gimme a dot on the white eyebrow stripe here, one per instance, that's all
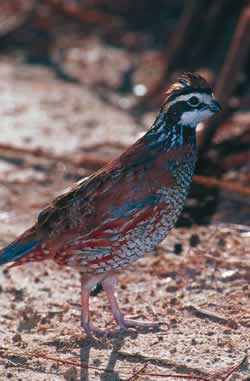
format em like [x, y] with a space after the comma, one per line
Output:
[204, 98]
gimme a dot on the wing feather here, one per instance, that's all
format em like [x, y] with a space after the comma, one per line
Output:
[127, 184]
[68, 211]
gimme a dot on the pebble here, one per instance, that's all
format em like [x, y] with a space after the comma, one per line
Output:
[17, 338]
[70, 374]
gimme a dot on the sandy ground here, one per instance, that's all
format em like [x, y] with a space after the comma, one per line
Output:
[196, 283]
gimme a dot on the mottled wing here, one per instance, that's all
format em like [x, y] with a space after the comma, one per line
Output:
[122, 194]
[72, 211]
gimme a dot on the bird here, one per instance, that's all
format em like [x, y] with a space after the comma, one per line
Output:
[110, 219]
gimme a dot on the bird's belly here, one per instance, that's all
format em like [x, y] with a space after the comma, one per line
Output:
[146, 236]
[111, 248]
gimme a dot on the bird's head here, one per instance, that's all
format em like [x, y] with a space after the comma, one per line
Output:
[189, 101]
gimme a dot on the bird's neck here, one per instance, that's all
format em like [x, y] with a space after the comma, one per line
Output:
[163, 141]
[170, 135]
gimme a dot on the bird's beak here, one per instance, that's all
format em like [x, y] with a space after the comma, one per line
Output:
[215, 106]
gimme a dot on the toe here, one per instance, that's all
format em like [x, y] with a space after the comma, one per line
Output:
[141, 324]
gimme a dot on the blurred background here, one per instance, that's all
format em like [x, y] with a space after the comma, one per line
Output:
[81, 80]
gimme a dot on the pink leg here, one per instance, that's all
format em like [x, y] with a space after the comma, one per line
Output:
[108, 286]
[85, 311]
[86, 286]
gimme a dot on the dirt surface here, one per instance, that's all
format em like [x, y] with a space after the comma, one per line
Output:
[196, 283]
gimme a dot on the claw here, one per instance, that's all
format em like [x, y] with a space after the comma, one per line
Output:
[91, 330]
[141, 324]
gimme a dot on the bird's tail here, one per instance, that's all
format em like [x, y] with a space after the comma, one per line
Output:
[19, 248]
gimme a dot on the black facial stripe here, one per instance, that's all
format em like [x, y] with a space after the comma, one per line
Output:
[186, 91]
[182, 106]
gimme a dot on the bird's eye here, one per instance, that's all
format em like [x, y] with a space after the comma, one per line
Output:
[193, 101]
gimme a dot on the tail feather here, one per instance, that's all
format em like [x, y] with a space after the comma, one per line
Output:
[18, 249]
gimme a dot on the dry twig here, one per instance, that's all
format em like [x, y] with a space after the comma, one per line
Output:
[228, 185]
[137, 374]
[88, 161]
[202, 313]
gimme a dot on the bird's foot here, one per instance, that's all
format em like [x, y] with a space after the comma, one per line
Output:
[125, 324]
[91, 330]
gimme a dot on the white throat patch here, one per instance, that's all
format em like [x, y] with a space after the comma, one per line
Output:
[193, 117]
